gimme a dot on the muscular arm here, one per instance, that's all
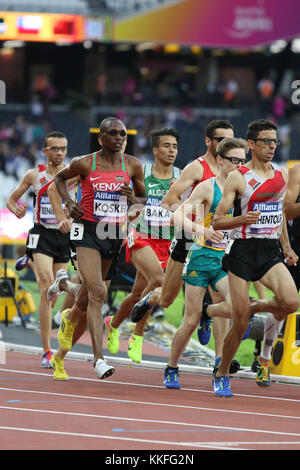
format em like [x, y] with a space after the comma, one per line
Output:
[234, 186]
[190, 175]
[79, 167]
[291, 207]
[63, 220]
[12, 201]
[197, 204]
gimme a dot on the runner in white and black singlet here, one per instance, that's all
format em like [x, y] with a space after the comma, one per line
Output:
[46, 245]
[261, 243]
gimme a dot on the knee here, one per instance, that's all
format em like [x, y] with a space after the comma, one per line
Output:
[166, 300]
[97, 293]
[290, 305]
[156, 281]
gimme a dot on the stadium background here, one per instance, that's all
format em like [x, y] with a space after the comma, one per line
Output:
[67, 64]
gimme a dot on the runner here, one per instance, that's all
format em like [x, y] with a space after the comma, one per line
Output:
[99, 227]
[199, 170]
[149, 242]
[203, 263]
[47, 246]
[257, 189]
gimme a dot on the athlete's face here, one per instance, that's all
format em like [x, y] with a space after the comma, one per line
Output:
[167, 149]
[114, 136]
[264, 146]
[56, 150]
[232, 159]
[218, 136]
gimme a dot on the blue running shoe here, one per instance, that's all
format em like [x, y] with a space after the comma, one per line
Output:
[204, 330]
[22, 263]
[247, 332]
[222, 387]
[171, 377]
[140, 309]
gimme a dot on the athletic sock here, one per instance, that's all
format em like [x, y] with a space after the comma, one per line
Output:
[271, 330]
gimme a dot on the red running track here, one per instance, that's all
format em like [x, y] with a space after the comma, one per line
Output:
[132, 410]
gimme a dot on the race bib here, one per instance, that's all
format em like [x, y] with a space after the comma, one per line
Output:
[270, 218]
[47, 215]
[110, 207]
[77, 231]
[33, 239]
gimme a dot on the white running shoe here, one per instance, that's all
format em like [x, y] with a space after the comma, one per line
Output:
[103, 370]
[53, 290]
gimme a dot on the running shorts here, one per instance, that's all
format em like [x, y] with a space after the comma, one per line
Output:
[160, 246]
[104, 238]
[49, 242]
[251, 259]
[202, 270]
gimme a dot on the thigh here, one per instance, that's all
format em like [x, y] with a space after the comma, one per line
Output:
[43, 266]
[279, 280]
[193, 301]
[146, 262]
[239, 293]
[222, 287]
[57, 266]
[172, 278]
[90, 265]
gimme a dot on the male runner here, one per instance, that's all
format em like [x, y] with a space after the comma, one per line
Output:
[199, 170]
[98, 230]
[149, 241]
[47, 246]
[257, 189]
[203, 263]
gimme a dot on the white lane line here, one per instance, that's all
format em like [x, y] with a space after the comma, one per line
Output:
[260, 397]
[176, 423]
[135, 402]
[115, 438]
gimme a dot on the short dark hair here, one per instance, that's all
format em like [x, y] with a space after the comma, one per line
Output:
[103, 124]
[255, 127]
[55, 134]
[217, 124]
[157, 133]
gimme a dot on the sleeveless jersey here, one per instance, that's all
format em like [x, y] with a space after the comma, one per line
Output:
[155, 220]
[265, 195]
[101, 199]
[208, 246]
[207, 173]
[43, 213]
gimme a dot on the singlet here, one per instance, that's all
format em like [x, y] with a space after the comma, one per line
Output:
[208, 247]
[265, 195]
[207, 173]
[101, 199]
[155, 220]
[43, 213]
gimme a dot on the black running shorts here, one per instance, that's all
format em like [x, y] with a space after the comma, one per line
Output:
[251, 259]
[50, 242]
[180, 246]
[105, 238]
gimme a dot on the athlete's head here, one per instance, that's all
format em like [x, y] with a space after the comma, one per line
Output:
[262, 139]
[112, 134]
[164, 144]
[231, 153]
[216, 131]
[55, 147]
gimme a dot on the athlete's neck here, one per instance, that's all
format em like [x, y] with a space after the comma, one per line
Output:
[108, 158]
[52, 170]
[162, 171]
[263, 168]
[211, 160]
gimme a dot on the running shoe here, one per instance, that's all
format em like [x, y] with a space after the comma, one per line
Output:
[59, 372]
[53, 290]
[263, 375]
[247, 332]
[112, 336]
[234, 366]
[140, 309]
[222, 387]
[46, 358]
[204, 330]
[103, 370]
[65, 331]
[22, 263]
[171, 377]
[135, 348]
